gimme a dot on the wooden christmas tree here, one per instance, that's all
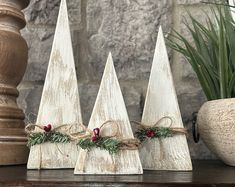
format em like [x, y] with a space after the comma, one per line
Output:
[161, 109]
[109, 106]
[60, 101]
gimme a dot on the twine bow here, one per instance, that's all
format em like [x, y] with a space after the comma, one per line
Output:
[30, 128]
[115, 132]
[125, 143]
[151, 134]
[174, 130]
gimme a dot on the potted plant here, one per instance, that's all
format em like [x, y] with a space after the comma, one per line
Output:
[212, 56]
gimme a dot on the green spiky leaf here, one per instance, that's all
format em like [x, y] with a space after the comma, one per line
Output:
[212, 50]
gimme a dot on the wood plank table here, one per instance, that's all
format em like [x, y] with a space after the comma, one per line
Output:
[206, 173]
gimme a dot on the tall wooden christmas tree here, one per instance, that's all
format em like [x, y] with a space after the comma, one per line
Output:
[109, 105]
[161, 104]
[60, 100]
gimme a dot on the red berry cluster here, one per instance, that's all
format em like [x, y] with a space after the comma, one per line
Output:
[96, 134]
[47, 128]
[150, 133]
[94, 138]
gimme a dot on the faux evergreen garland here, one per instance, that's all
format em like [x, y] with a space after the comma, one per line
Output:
[92, 139]
[156, 131]
[104, 143]
[42, 137]
[86, 139]
[153, 132]
[48, 135]
[108, 143]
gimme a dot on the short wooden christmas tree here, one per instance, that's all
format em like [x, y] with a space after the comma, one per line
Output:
[109, 119]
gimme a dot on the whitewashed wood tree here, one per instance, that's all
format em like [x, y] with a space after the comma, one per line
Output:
[170, 153]
[60, 100]
[109, 105]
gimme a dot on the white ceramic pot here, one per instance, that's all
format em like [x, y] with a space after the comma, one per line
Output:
[216, 125]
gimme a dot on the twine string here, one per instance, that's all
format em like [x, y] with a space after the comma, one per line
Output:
[115, 133]
[126, 143]
[174, 130]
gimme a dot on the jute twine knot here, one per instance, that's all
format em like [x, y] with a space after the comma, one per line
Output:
[126, 143]
[30, 129]
[174, 130]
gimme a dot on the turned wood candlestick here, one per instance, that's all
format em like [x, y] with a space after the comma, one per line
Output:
[13, 61]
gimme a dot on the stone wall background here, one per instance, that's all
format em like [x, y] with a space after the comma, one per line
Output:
[127, 28]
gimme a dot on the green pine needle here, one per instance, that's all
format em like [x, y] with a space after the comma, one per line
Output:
[104, 143]
[158, 132]
[42, 137]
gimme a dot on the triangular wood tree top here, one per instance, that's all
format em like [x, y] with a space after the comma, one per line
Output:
[161, 101]
[109, 105]
[60, 100]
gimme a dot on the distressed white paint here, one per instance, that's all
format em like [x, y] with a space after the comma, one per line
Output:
[161, 100]
[232, 3]
[109, 106]
[60, 100]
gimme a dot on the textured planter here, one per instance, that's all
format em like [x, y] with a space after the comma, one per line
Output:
[216, 123]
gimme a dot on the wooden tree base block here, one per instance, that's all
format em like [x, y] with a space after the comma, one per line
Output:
[60, 101]
[109, 106]
[13, 62]
[53, 156]
[169, 153]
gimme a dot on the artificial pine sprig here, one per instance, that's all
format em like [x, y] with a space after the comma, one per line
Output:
[104, 143]
[85, 141]
[153, 132]
[42, 137]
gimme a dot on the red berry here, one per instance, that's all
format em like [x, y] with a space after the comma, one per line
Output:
[94, 138]
[96, 131]
[47, 128]
[150, 133]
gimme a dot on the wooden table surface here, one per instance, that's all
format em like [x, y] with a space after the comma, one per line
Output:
[206, 173]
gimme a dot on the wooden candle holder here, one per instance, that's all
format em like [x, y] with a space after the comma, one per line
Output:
[13, 61]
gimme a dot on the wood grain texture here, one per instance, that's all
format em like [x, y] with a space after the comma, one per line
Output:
[13, 62]
[109, 105]
[170, 153]
[60, 100]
